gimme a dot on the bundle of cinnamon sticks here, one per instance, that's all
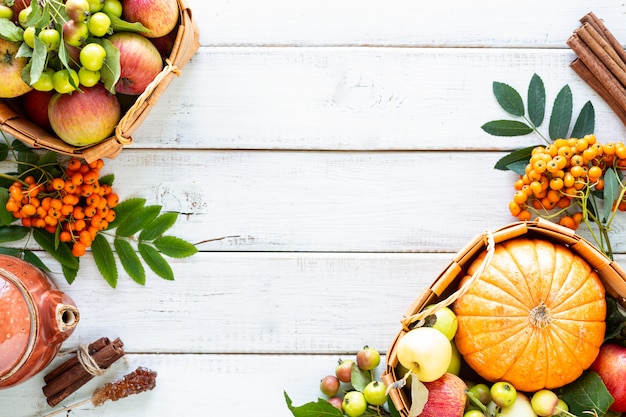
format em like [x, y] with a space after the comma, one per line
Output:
[72, 374]
[601, 62]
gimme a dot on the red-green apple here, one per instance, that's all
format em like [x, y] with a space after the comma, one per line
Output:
[160, 17]
[426, 352]
[610, 364]
[84, 118]
[36, 107]
[11, 67]
[140, 62]
[521, 407]
[165, 44]
[446, 397]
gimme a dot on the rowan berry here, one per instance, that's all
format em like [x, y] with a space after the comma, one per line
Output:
[556, 183]
[110, 216]
[594, 173]
[591, 138]
[599, 184]
[16, 192]
[58, 184]
[90, 177]
[28, 210]
[70, 187]
[78, 213]
[84, 237]
[581, 144]
[524, 215]
[77, 178]
[577, 171]
[78, 249]
[590, 154]
[74, 164]
[620, 150]
[564, 202]
[90, 211]
[29, 180]
[568, 222]
[12, 205]
[578, 217]
[514, 208]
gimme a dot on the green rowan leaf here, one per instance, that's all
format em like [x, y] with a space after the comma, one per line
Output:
[130, 261]
[70, 274]
[585, 123]
[32, 258]
[10, 31]
[158, 226]
[561, 116]
[11, 252]
[175, 247]
[37, 61]
[611, 191]
[517, 156]
[508, 98]
[536, 100]
[62, 253]
[157, 263]
[506, 128]
[13, 233]
[104, 259]
[140, 218]
[6, 218]
[4, 151]
[119, 25]
[125, 209]
[107, 179]
[111, 70]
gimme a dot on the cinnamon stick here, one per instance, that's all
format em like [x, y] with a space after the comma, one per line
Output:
[76, 376]
[92, 348]
[583, 72]
[604, 51]
[600, 27]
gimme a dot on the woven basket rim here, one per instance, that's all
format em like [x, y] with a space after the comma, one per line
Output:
[187, 42]
[610, 272]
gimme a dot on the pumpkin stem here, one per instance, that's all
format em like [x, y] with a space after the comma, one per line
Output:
[540, 316]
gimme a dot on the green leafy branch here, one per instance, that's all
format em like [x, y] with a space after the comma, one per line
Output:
[136, 237]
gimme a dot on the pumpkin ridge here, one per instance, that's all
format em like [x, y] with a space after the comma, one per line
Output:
[524, 274]
[568, 351]
[581, 296]
[564, 343]
[497, 294]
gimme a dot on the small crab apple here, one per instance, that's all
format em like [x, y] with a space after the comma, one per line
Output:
[544, 402]
[336, 402]
[375, 393]
[426, 352]
[445, 321]
[503, 393]
[329, 385]
[343, 371]
[354, 404]
[367, 358]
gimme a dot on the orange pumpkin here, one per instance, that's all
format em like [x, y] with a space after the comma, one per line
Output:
[535, 317]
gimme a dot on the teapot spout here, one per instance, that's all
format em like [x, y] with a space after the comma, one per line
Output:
[67, 317]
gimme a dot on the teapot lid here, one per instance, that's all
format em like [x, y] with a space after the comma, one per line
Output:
[16, 325]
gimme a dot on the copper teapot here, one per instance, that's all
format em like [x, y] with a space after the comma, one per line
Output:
[35, 318]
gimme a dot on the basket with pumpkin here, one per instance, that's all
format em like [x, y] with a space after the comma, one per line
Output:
[531, 304]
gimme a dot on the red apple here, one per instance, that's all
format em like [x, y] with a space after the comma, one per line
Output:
[11, 67]
[446, 397]
[85, 118]
[165, 44]
[36, 107]
[140, 62]
[18, 6]
[610, 364]
[160, 17]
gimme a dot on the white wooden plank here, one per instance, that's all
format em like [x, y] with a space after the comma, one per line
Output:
[355, 98]
[193, 385]
[399, 22]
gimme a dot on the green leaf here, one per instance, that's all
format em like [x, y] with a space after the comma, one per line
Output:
[119, 25]
[13, 233]
[38, 61]
[536, 100]
[125, 209]
[175, 247]
[104, 259]
[392, 408]
[321, 408]
[508, 98]
[70, 274]
[359, 378]
[585, 123]
[156, 261]
[561, 116]
[62, 253]
[11, 251]
[611, 191]
[111, 70]
[518, 155]
[506, 128]
[107, 179]
[158, 226]
[130, 261]
[615, 321]
[24, 51]
[4, 151]
[587, 393]
[10, 31]
[6, 218]
[32, 258]
[140, 218]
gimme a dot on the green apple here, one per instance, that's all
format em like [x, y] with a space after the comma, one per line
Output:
[445, 321]
[520, 408]
[544, 402]
[426, 352]
[375, 393]
[503, 393]
[455, 361]
[354, 404]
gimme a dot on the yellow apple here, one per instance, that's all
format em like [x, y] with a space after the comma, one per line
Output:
[11, 71]
[426, 352]
[521, 407]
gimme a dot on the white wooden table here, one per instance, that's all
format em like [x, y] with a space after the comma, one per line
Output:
[340, 142]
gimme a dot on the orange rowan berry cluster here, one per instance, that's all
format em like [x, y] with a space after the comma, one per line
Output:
[75, 204]
[560, 173]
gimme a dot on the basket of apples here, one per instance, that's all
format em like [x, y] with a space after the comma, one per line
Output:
[80, 76]
[525, 321]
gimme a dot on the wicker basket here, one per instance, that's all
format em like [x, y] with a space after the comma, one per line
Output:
[16, 124]
[445, 288]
